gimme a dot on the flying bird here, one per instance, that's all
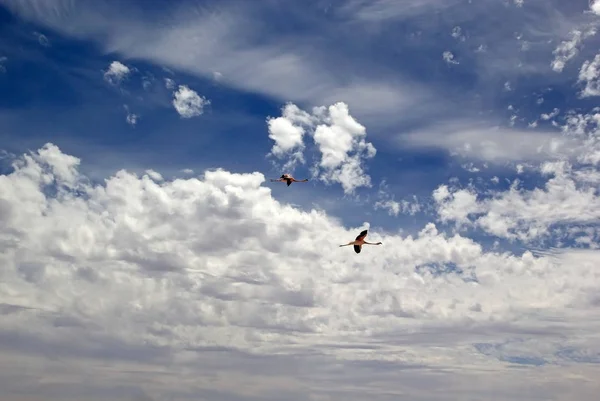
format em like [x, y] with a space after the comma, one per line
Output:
[360, 241]
[289, 179]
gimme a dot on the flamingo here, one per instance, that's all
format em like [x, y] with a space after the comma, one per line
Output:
[289, 179]
[360, 241]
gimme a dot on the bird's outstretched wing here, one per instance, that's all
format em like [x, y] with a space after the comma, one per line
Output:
[362, 235]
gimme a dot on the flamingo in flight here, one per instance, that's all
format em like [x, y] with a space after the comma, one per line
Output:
[360, 241]
[289, 179]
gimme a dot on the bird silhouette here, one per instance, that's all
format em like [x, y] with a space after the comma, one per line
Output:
[288, 179]
[360, 241]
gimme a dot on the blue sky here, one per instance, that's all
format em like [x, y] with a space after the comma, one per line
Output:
[463, 134]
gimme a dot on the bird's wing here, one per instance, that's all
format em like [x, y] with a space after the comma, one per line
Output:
[362, 235]
[357, 248]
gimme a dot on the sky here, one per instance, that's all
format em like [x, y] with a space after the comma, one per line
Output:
[145, 253]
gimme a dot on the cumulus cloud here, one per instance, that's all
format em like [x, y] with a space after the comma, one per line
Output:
[569, 49]
[551, 115]
[131, 118]
[568, 200]
[339, 138]
[595, 6]
[566, 208]
[215, 276]
[457, 33]
[288, 132]
[116, 72]
[589, 74]
[568, 203]
[586, 128]
[449, 57]
[188, 103]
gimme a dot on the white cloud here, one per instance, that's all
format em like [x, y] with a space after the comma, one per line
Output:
[563, 209]
[590, 75]
[288, 132]
[143, 271]
[490, 143]
[188, 103]
[116, 72]
[169, 83]
[519, 3]
[520, 168]
[586, 128]
[155, 175]
[595, 6]
[131, 118]
[147, 81]
[339, 138]
[457, 33]
[569, 49]
[449, 57]
[383, 10]
[394, 208]
[387, 202]
[201, 43]
[470, 167]
[341, 141]
[548, 116]
[455, 206]
[526, 215]
[42, 39]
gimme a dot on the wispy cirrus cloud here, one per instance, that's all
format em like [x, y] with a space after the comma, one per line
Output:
[202, 42]
[479, 140]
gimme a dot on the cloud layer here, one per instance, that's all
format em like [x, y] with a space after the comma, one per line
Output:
[161, 270]
[147, 286]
